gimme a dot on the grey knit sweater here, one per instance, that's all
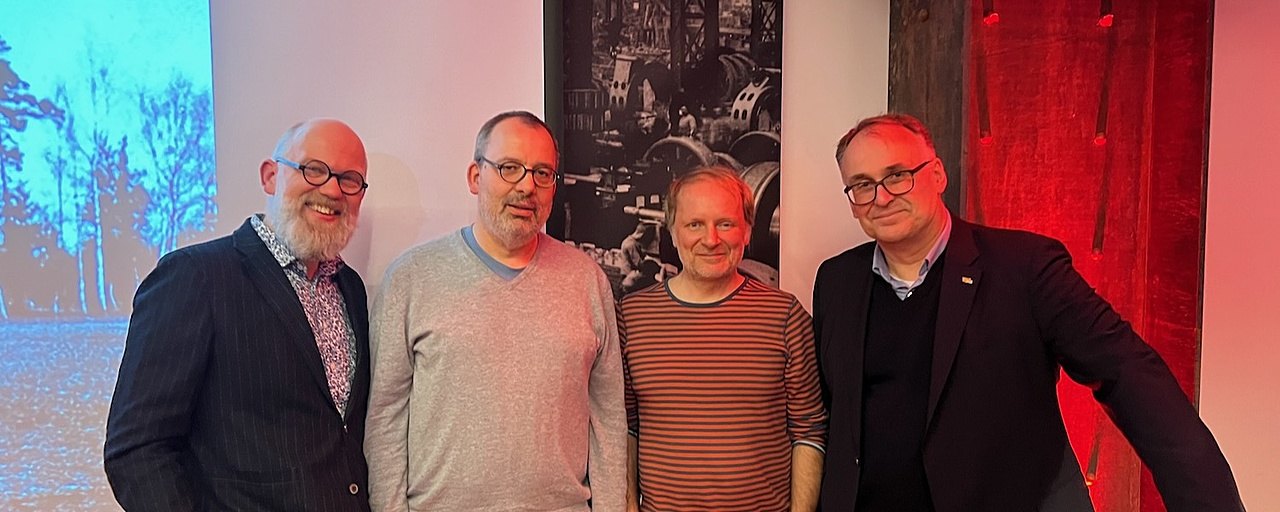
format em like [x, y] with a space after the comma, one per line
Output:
[490, 394]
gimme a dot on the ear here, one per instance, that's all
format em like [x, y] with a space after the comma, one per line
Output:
[940, 176]
[267, 172]
[473, 178]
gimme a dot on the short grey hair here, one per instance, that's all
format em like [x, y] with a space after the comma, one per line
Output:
[528, 118]
[907, 121]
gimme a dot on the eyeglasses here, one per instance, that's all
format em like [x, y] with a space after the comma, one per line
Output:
[863, 192]
[318, 173]
[513, 172]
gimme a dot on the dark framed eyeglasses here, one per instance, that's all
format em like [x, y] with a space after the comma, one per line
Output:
[318, 173]
[863, 191]
[513, 172]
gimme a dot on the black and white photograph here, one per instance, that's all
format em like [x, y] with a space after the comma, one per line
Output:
[653, 89]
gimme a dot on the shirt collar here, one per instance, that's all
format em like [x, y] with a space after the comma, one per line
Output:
[281, 252]
[880, 266]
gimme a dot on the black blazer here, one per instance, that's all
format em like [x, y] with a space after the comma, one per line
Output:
[1013, 311]
[222, 401]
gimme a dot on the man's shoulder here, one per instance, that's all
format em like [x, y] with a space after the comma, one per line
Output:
[857, 257]
[194, 269]
[647, 296]
[243, 240]
[217, 250]
[995, 241]
[756, 290]
[562, 257]
[435, 252]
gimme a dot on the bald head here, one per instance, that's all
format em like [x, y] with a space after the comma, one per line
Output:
[332, 134]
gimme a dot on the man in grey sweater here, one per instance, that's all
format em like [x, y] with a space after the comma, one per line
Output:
[496, 374]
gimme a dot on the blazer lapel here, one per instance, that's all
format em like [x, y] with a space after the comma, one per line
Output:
[960, 282]
[844, 326]
[858, 309]
[353, 294]
[265, 273]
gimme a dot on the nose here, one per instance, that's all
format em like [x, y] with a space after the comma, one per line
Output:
[883, 197]
[713, 237]
[525, 185]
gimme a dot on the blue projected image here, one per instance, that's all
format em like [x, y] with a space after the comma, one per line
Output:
[106, 163]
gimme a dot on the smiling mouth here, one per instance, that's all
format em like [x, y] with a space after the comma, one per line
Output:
[324, 210]
[887, 215]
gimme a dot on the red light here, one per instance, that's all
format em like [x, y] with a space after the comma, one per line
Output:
[986, 139]
[1100, 139]
[1106, 20]
[991, 18]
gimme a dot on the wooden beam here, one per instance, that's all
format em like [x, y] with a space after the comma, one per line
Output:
[927, 60]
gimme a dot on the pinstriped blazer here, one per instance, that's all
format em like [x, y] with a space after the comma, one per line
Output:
[222, 401]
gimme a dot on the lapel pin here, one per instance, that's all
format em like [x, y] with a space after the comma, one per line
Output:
[966, 280]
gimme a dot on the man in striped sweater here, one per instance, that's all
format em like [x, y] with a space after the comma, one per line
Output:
[723, 400]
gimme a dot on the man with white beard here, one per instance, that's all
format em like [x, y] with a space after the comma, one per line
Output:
[246, 366]
[497, 380]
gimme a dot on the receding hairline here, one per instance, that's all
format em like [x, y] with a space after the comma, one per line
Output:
[296, 134]
[290, 138]
[876, 124]
[719, 175]
[887, 130]
[525, 118]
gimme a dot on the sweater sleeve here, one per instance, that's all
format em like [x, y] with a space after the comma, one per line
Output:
[633, 414]
[607, 458]
[806, 416]
[391, 379]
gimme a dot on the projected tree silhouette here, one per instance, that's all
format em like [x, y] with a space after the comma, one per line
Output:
[17, 107]
[124, 175]
[63, 209]
[86, 164]
[177, 130]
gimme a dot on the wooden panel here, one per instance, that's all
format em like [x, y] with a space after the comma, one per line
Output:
[1094, 134]
[926, 75]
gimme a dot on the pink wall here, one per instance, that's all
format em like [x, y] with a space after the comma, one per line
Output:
[1241, 323]
[835, 55]
[415, 80]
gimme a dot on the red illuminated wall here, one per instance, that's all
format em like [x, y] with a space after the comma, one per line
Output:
[1096, 135]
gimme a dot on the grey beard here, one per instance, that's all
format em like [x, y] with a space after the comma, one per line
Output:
[512, 235]
[306, 241]
[510, 232]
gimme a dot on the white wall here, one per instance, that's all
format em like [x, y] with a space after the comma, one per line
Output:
[414, 78]
[835, 66]
[1240, 356]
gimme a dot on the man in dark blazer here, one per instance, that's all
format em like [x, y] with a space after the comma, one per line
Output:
[940, 344]
[245, 373]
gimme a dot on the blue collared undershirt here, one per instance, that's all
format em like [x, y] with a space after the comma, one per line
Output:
[503, 271]
[903, 289]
